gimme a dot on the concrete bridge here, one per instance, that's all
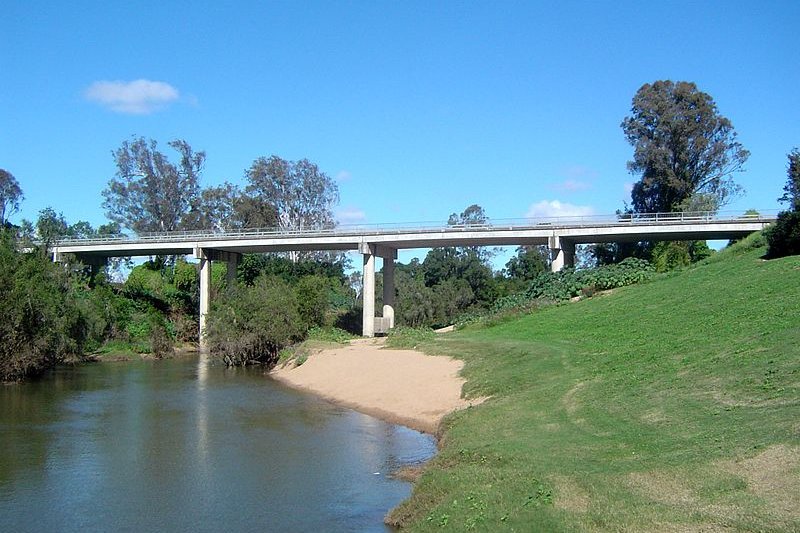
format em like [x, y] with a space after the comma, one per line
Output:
[560, 235]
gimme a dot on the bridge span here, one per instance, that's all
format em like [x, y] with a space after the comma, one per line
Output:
[560, 235]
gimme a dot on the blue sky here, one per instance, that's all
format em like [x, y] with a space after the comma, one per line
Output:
[418, 108]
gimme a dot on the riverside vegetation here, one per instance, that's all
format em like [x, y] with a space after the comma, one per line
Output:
[667, 406]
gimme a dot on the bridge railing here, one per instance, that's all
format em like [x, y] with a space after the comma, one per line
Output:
[620, 219]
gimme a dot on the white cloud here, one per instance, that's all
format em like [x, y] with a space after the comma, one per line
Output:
[572, 185]
[575, 172]
[343, 175]
[628, 187]
[576, 178]
[350, 215]
[554, 208]
[138, 97]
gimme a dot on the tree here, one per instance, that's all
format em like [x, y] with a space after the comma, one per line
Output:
[783, 237]
[253, 212]
[528, 263]
[791, 191]
[303, 196]
[150, 193]
[213, 209]
[50, 227]
[682, 147]
[10, 196]
[472, 216]
[249, 325]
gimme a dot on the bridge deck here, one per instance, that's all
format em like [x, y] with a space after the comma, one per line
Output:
[578, 230]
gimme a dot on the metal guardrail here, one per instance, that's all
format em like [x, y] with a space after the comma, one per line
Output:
[429, 227]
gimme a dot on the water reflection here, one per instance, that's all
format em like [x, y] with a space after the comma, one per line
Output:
[186, 445]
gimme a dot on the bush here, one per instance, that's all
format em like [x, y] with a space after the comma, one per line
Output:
[339, 336]
[783, 237]
[312, 300]
[249, 325]
[41, 322]
[549, 287]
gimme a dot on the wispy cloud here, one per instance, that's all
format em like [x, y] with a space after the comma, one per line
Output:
[576, 178]
[350, 215]
[138, 97]
[343, 175]
[576, 172]
[571, 185]
[555, 208]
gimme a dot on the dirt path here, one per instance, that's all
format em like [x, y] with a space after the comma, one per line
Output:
[399, 386]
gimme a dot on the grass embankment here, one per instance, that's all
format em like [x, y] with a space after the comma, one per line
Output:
[669, 406]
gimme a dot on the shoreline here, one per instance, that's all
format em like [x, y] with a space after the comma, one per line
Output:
[404, 387]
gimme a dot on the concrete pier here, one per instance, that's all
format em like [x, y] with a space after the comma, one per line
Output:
[562, 253]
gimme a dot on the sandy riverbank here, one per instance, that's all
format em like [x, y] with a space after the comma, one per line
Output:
[400, 386]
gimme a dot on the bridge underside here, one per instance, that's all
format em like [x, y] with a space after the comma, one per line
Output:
[561, 240]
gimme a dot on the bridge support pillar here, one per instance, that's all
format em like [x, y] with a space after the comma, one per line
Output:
[388, 291]
[233, 264]
[206, 256]
[205, 294]
[368, 290]
[562, 253]
[369, 320]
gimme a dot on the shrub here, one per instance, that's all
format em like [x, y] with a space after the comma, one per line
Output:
[40, 320]
[312, 300]
[783, 237]
[249, 325]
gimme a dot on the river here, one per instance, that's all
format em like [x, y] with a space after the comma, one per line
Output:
[182, 445]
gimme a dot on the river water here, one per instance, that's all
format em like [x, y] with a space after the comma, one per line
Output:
[181, 445]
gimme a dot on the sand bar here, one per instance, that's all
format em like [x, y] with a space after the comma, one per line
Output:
[400, 386]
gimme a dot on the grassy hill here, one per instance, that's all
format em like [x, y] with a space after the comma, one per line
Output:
[668, 406]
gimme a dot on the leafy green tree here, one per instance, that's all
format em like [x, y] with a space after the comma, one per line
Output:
[40, 320]
[10, 196]
[414, 304]
[253, 212]
[313, 300]
[783, 237]
[450, 299]
[149, 192]
[50, 227]
[529, 261]
[249, 325]
[791, 191]
[473, 216]
[683, 147]
[214, 208]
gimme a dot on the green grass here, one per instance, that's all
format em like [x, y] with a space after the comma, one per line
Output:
[121, 350]
[409, 338]
[674, 405]
[318, 339]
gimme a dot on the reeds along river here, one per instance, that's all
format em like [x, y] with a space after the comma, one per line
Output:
[181, 445]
